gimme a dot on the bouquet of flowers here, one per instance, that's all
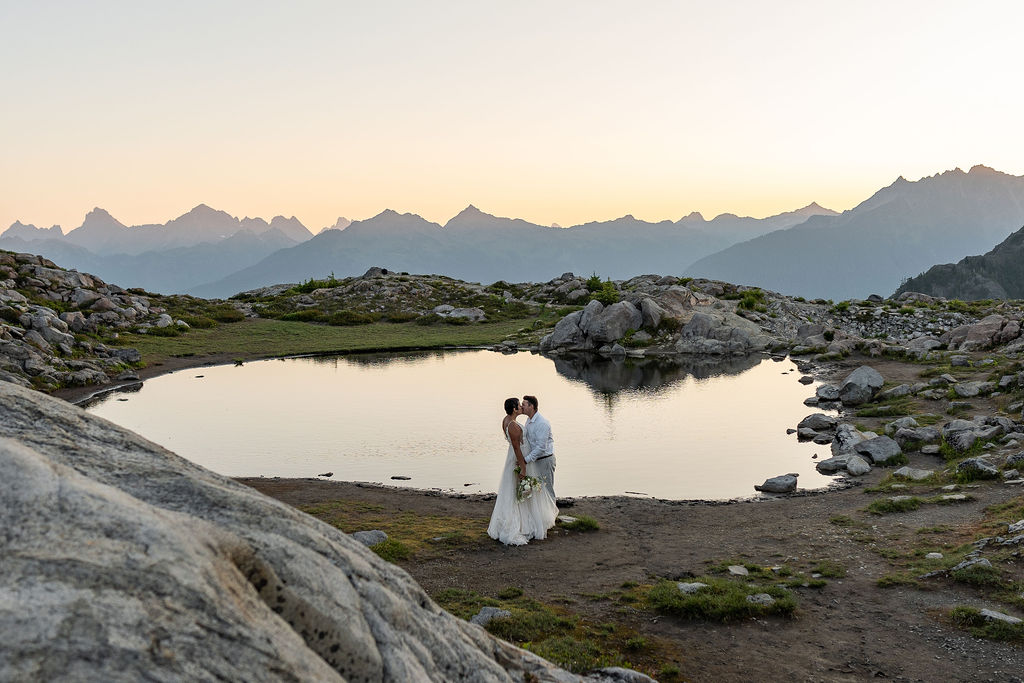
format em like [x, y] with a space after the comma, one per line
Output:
[527, 487]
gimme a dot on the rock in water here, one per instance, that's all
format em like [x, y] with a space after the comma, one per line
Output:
[781, 484]
[122, 561]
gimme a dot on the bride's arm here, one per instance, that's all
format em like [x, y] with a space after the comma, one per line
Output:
[515, 435]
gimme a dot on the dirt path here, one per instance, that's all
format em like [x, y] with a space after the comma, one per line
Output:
[849, 630]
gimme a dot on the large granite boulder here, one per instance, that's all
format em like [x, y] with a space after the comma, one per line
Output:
[611, 323]
[720, 332]
[122, 561]
[860, 386]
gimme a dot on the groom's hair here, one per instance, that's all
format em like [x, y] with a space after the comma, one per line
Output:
[510, 405]
[532, 400]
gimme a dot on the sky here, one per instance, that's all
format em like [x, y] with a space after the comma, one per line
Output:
[555, 112]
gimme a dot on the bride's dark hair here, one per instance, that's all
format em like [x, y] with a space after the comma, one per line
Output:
[510, 405]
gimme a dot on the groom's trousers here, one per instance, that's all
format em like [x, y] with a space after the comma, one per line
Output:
[546, 473]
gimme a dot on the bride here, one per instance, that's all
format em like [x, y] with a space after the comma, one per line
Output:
[515, 522]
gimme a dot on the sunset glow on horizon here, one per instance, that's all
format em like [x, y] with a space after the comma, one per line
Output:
[551, 112]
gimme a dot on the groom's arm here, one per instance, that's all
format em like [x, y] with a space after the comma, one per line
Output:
[539, 433]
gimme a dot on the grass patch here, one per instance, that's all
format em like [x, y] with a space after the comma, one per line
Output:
[971, 620]
[419, 535]
[392, 550]
[829, 569]
[887, 506]
[582, 523]
[898, 580]
[262, 338]
[565, 638]
[978, 575]
[723, 600]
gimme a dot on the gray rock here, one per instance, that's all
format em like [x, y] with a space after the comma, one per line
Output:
[971, 562]
[612, 323]
[567, 332]
[896, 392]
[691, 588]
[784, 483]
[991, 615]
[651, 313]
[806, 434]
[847, 437]
[924, 435]
[1015, 460]
[372, 537]
[470, 314]
[978, 468]
[933, 556]
[960, 361]
[163, 570]
[902, 423]
[833, 464]
[1016, 527]
[761, 599]
[164, 320]
[487, 614]
[819, 422]
[931, 449]
[860, 386]
[1011, 474]
[914, 474]
[738, 570]
[827, 392]
[879, 450]
[857, 466]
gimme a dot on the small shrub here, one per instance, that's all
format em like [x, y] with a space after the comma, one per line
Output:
[227, 314]
[582, 523]
[830, 569]
[311, 285]
[723, 600]
[309, 315]
[199, 321]
[169, 331]
[841, 307]
[346, 318]
[751, 299]
[10, 315]
[607, 295]
[887, 505]
[978, 575]
[391, 550]
[896, 581]
[511, 593]
[636, 644]
[970, 618]
[594, 283]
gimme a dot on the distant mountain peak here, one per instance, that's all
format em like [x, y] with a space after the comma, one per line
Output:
[101, 218]
[693, 216]
[981, 169]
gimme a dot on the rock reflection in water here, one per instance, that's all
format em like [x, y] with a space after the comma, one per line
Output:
[609, 377]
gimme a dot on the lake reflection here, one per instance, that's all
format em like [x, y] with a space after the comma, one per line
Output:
[672, 430]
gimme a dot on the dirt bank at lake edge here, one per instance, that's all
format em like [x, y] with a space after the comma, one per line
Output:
[849, 630]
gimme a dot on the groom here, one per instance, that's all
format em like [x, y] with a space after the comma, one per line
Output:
[542, 446]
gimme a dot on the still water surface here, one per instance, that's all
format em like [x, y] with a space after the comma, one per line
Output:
[688, 431]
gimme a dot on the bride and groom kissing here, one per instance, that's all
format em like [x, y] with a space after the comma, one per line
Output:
[525, 508]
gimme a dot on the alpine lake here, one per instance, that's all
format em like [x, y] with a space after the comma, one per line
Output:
[691, 429]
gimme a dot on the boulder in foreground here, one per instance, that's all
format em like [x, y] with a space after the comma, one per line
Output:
[122, 561]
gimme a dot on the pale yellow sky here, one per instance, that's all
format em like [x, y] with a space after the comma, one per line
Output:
[553, 112]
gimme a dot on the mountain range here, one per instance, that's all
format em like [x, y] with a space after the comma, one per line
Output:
[902, 229]
[210, 253]
[999, 274]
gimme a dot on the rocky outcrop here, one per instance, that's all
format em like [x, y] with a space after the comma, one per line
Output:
[122, 561]
[49, 319]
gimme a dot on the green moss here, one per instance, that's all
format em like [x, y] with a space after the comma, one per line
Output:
[392, 550]
[723, 600]
[582, 523]
[884, 506]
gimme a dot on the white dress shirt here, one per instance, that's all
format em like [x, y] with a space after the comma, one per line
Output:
[538, 433]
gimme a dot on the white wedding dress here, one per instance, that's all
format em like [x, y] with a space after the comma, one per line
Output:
[514, 522]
